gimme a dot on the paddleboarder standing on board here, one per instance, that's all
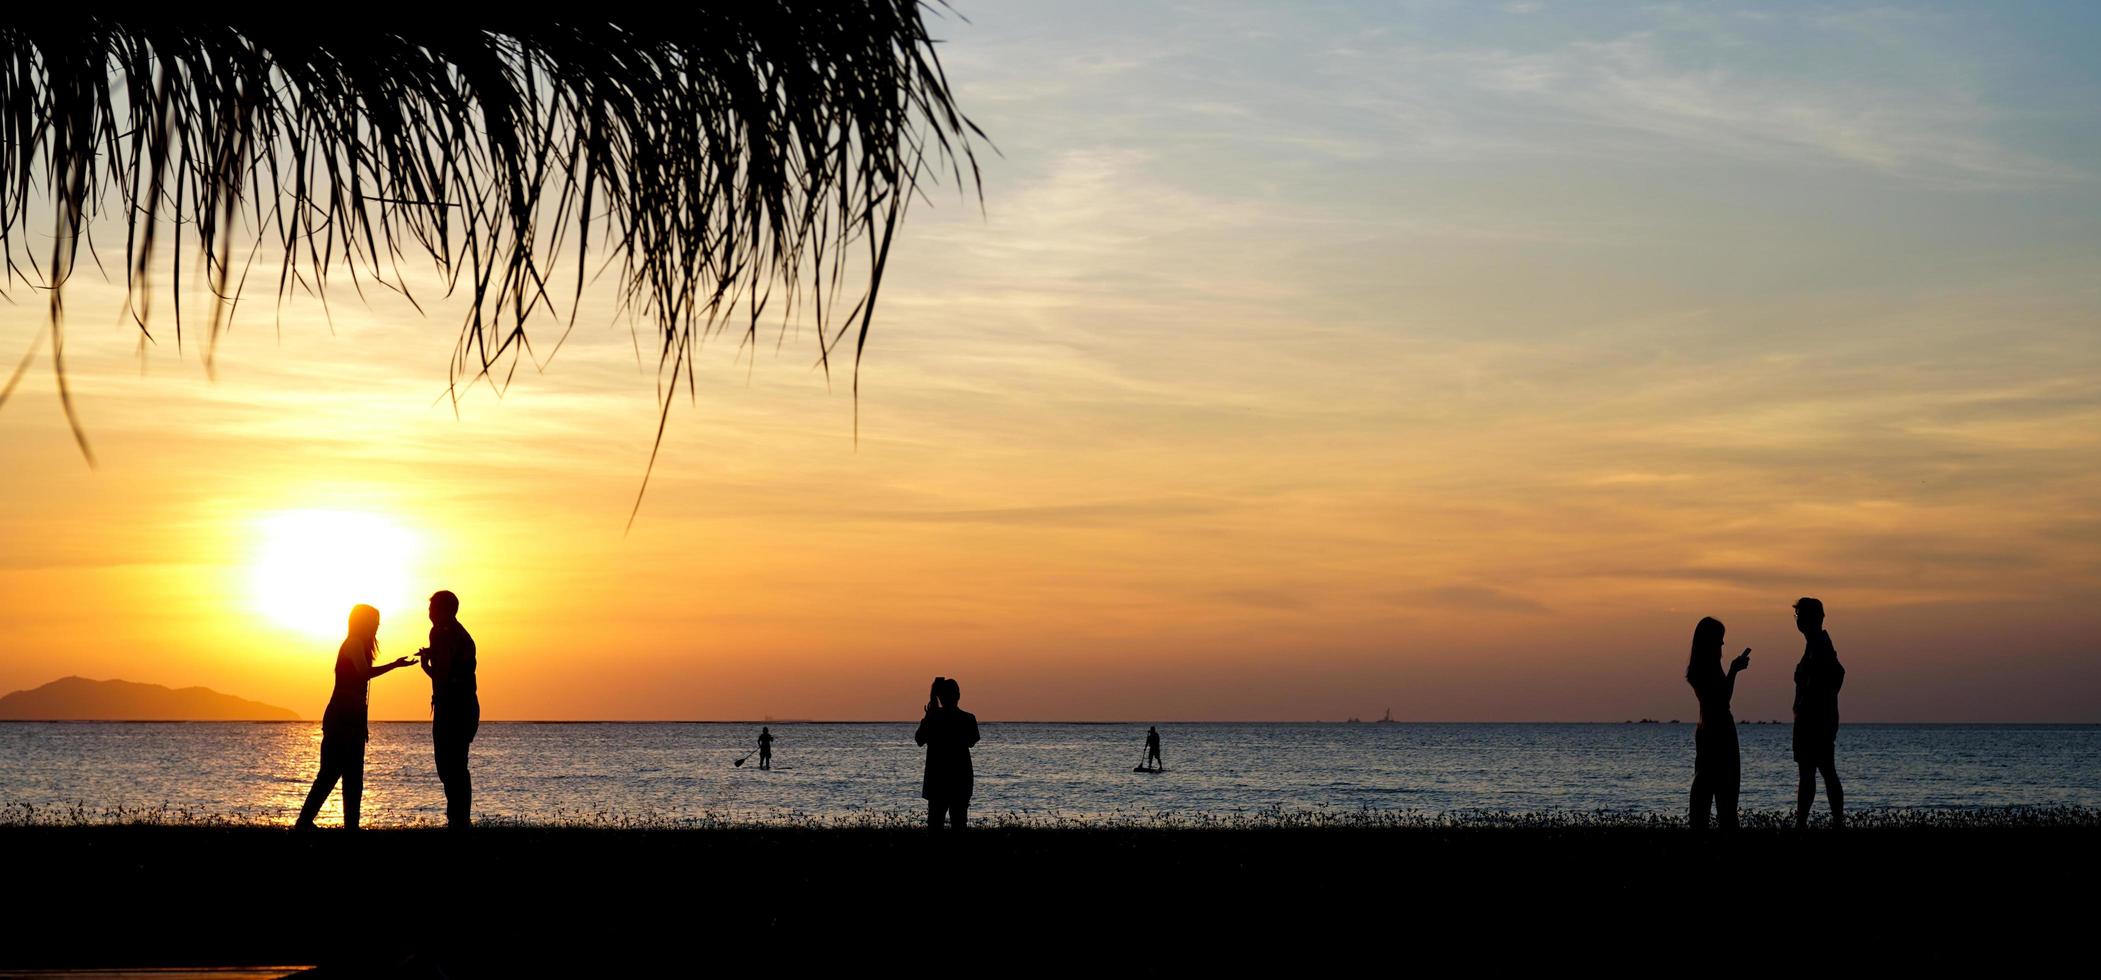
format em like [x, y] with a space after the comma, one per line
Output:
[1152, 748]
[765, 748]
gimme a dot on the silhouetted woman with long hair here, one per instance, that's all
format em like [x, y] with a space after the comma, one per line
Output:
[343, 724]
[1717, 768]
[948, 732]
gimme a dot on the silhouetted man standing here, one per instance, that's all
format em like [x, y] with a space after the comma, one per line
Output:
[765, 748]
[455, 709]
[1817, 679]
[1152, 748]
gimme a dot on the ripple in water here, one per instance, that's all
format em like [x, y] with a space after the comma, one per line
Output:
[682, 772]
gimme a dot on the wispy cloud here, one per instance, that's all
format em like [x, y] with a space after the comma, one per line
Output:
[1696, 85]
[1108, 513]
[1482, 597]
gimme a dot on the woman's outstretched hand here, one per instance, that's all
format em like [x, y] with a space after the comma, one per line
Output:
[401, 662]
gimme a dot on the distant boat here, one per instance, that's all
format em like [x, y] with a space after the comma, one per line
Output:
[1386, 719]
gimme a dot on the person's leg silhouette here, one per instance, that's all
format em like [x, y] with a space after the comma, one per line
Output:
[1805, 794]
[1727, 784]
[452, 732]
[1805, 789]
[1837, 795]
[353, 767]
[1702, 795]
[324, 783]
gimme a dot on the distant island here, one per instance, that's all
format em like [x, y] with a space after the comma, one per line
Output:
[81, 699]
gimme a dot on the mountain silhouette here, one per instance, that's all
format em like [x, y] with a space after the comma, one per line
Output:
[81, 699]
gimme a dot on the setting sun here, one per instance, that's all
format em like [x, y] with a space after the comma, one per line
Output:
[313, 565]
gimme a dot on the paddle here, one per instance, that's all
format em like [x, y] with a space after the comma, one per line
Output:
[740, 762]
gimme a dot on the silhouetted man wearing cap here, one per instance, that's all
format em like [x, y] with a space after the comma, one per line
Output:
[455, 709]
[1817, 679]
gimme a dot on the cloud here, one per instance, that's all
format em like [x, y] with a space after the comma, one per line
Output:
[1278, 600]
[1481, 597]
[1107, 513]
[1909, 110]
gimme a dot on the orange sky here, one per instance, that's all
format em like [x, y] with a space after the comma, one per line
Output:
[1233, 404]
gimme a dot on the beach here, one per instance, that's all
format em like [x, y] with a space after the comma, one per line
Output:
[1898, 891]
[620, 849]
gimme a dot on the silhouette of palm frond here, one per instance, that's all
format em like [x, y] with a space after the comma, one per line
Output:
[738, 160]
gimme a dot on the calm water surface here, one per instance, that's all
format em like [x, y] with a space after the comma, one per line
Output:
[588, 772]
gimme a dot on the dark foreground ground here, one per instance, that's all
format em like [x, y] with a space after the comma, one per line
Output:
[604, 902]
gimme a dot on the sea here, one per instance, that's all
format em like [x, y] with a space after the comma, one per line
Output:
[622, 774]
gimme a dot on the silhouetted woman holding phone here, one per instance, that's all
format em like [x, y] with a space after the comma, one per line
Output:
[343, 724]
[948, 732]
[1717, 768]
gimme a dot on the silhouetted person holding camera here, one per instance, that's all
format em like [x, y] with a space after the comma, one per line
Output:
[1717, 769]
[1152, 748]
[343, 728]
[1818, 677]
[455, 708]
[948, 732]
[765, 748]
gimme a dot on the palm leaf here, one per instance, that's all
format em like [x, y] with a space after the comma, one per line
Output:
[729, 164]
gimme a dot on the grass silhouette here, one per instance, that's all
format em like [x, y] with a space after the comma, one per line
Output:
[1975, 819]
[626, 894]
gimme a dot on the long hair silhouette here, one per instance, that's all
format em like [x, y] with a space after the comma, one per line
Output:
[363, 636]
[1706, 657]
